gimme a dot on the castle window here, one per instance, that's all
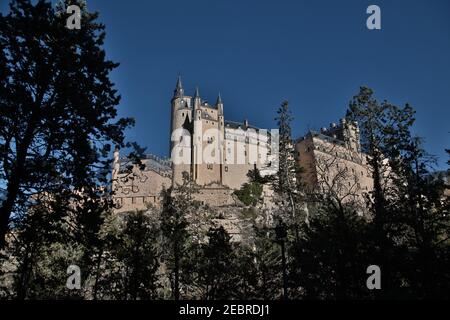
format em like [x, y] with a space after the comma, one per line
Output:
[209, 166]
[182, 114]
[133, 200]
[226, 168]
[362, 173]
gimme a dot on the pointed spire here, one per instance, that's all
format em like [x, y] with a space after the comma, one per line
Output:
[197, 94]
[178, 92]
[219, 100]
[219, 104]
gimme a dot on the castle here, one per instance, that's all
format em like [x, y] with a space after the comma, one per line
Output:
[208, 147]
[332, 161]
[217, 154]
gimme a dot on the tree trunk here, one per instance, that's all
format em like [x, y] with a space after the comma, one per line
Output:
[7, 207]
[14, 182]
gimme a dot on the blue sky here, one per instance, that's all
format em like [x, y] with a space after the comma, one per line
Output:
[316, 54]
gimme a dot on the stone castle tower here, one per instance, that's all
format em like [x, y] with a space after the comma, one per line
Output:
[346, 131]
[209, 148]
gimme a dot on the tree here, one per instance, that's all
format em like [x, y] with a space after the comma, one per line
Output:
[250, 193]
[410, 220]
[286, 183]
[57, 107]
[424, 214]
[41, 248]
[137, 253]
[216, 266]
[330, 260]
[178, 203]
[335, 183]
[258, 258]
[268, 269]
[384, 130]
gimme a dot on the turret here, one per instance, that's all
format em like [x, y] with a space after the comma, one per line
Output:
[197, 99]
[221, 136]
[180, 109]
[179, 91]
[353, 134]
[219, 105]
[180, 145]
[350, 134]
[197, 142]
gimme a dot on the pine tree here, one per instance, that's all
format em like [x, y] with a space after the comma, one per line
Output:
[424, 209]
[410, 225]
[383, 128]
[330, 260]
[137, 252]
[178, 203]
[43, 246]
[57, 106]
[286, 183]
[216, 272]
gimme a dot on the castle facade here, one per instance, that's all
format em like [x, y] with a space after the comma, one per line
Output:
[217, 154]
[211, 149]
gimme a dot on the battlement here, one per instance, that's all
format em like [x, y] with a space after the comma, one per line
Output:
[347, 132]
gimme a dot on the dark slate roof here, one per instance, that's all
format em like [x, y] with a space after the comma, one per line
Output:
[236, 125]
[155, 163]
[323, 137]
